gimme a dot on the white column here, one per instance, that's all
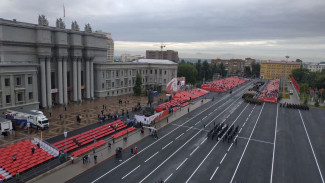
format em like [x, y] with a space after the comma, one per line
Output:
[60, 81]
[48, 82]
[3, 95]
[35, 88]
[43, 83]
[65, 81]
[87, 80]
[79, 80]
[91, 79]
[26, 97]
[75, 80]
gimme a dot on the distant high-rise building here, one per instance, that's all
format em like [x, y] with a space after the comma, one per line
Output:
[110, 45]
[232, 66]
[164, 55]
[130, 58]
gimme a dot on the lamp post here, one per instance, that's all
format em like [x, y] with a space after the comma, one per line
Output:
[65, 144]
[28, 125]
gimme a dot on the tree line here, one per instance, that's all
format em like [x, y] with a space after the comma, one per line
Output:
[307, 79]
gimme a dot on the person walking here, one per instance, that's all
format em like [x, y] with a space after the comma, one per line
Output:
[132, 151]
[88, 158]
[136, 150]
[109, 145]
[95, 158]
[33, 150]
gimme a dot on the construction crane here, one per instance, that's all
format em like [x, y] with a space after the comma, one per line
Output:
[162, 46]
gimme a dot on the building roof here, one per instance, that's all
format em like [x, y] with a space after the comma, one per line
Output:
[281, 62]
[154, 61]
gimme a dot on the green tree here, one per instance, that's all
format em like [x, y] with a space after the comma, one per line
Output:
[222, 70]
[198, 67]
[207, 74]
[188, 71]
[298, 60]
[137, 86]
[248, 71]
[214, 69]
[256, 69]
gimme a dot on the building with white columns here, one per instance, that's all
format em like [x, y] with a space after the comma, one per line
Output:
[59, 60]
[41, 66]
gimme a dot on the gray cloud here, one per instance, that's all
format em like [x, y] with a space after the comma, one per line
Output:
[190, 21]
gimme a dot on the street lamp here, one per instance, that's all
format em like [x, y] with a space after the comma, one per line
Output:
[65, 144]
[28, 126]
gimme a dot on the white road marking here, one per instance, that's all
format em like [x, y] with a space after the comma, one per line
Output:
[235, 138]
[247, 118]
[276, 126]
[230, 146]
[214, 173]
[194, 150]
[189, 128]
[240, 130]
[131, 172]
[204, 118]
[151, 157]
[169, 157]
[181, 164]
[203, 141]
[100, 177]
[210, 113]
[179, 136]
[256, 140]
[223, 158]
[244, 124]
[168, 177]
[213, 148]
[167, 145]
[198, 122]
[246, 145]
[311, 146]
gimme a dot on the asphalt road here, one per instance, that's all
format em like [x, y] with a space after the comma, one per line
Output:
[184, 154]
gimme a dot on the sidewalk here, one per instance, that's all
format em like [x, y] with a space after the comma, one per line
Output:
[64, 173]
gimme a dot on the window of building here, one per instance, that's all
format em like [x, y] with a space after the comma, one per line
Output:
[18, 81]
[30, 80]
[117, 92]
[160, 71]
[8, 99]
[121, 83]
[82, 78]
[129, 82]
[103, 75]
[112, 92]
[165, 72]
[116, 73]
[30, 95]
[129, 89]
[156, 71]
[19, 97]
[112, 84]
[68, 78]
[7, 81]
[121, 73]
[107, 93]
[146, 71]
[151, 71]
[165, 81]
[103, 85]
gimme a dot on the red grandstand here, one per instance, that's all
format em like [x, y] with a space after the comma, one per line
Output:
[270, 92]
[223, 85]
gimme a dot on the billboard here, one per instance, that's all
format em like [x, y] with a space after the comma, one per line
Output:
[175, 85]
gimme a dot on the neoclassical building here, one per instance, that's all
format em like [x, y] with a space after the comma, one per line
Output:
[41, 65]
[59, 61]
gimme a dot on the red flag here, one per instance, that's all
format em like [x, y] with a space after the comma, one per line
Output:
[321, 91]
[63, 11]
[309, 90]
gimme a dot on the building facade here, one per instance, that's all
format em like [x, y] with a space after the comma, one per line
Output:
[130, 58]
[164, 55]
[41, 66]
[314, 67]
[113, 79]
[232, 66]
[60, 61]
[277, 69]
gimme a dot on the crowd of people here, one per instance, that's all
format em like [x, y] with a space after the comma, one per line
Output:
[223, 84]
[271, 90]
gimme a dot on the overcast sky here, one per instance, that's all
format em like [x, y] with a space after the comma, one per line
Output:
[262, 29]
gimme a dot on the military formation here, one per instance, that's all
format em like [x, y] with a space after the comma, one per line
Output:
[294, 106]
[223, 132]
